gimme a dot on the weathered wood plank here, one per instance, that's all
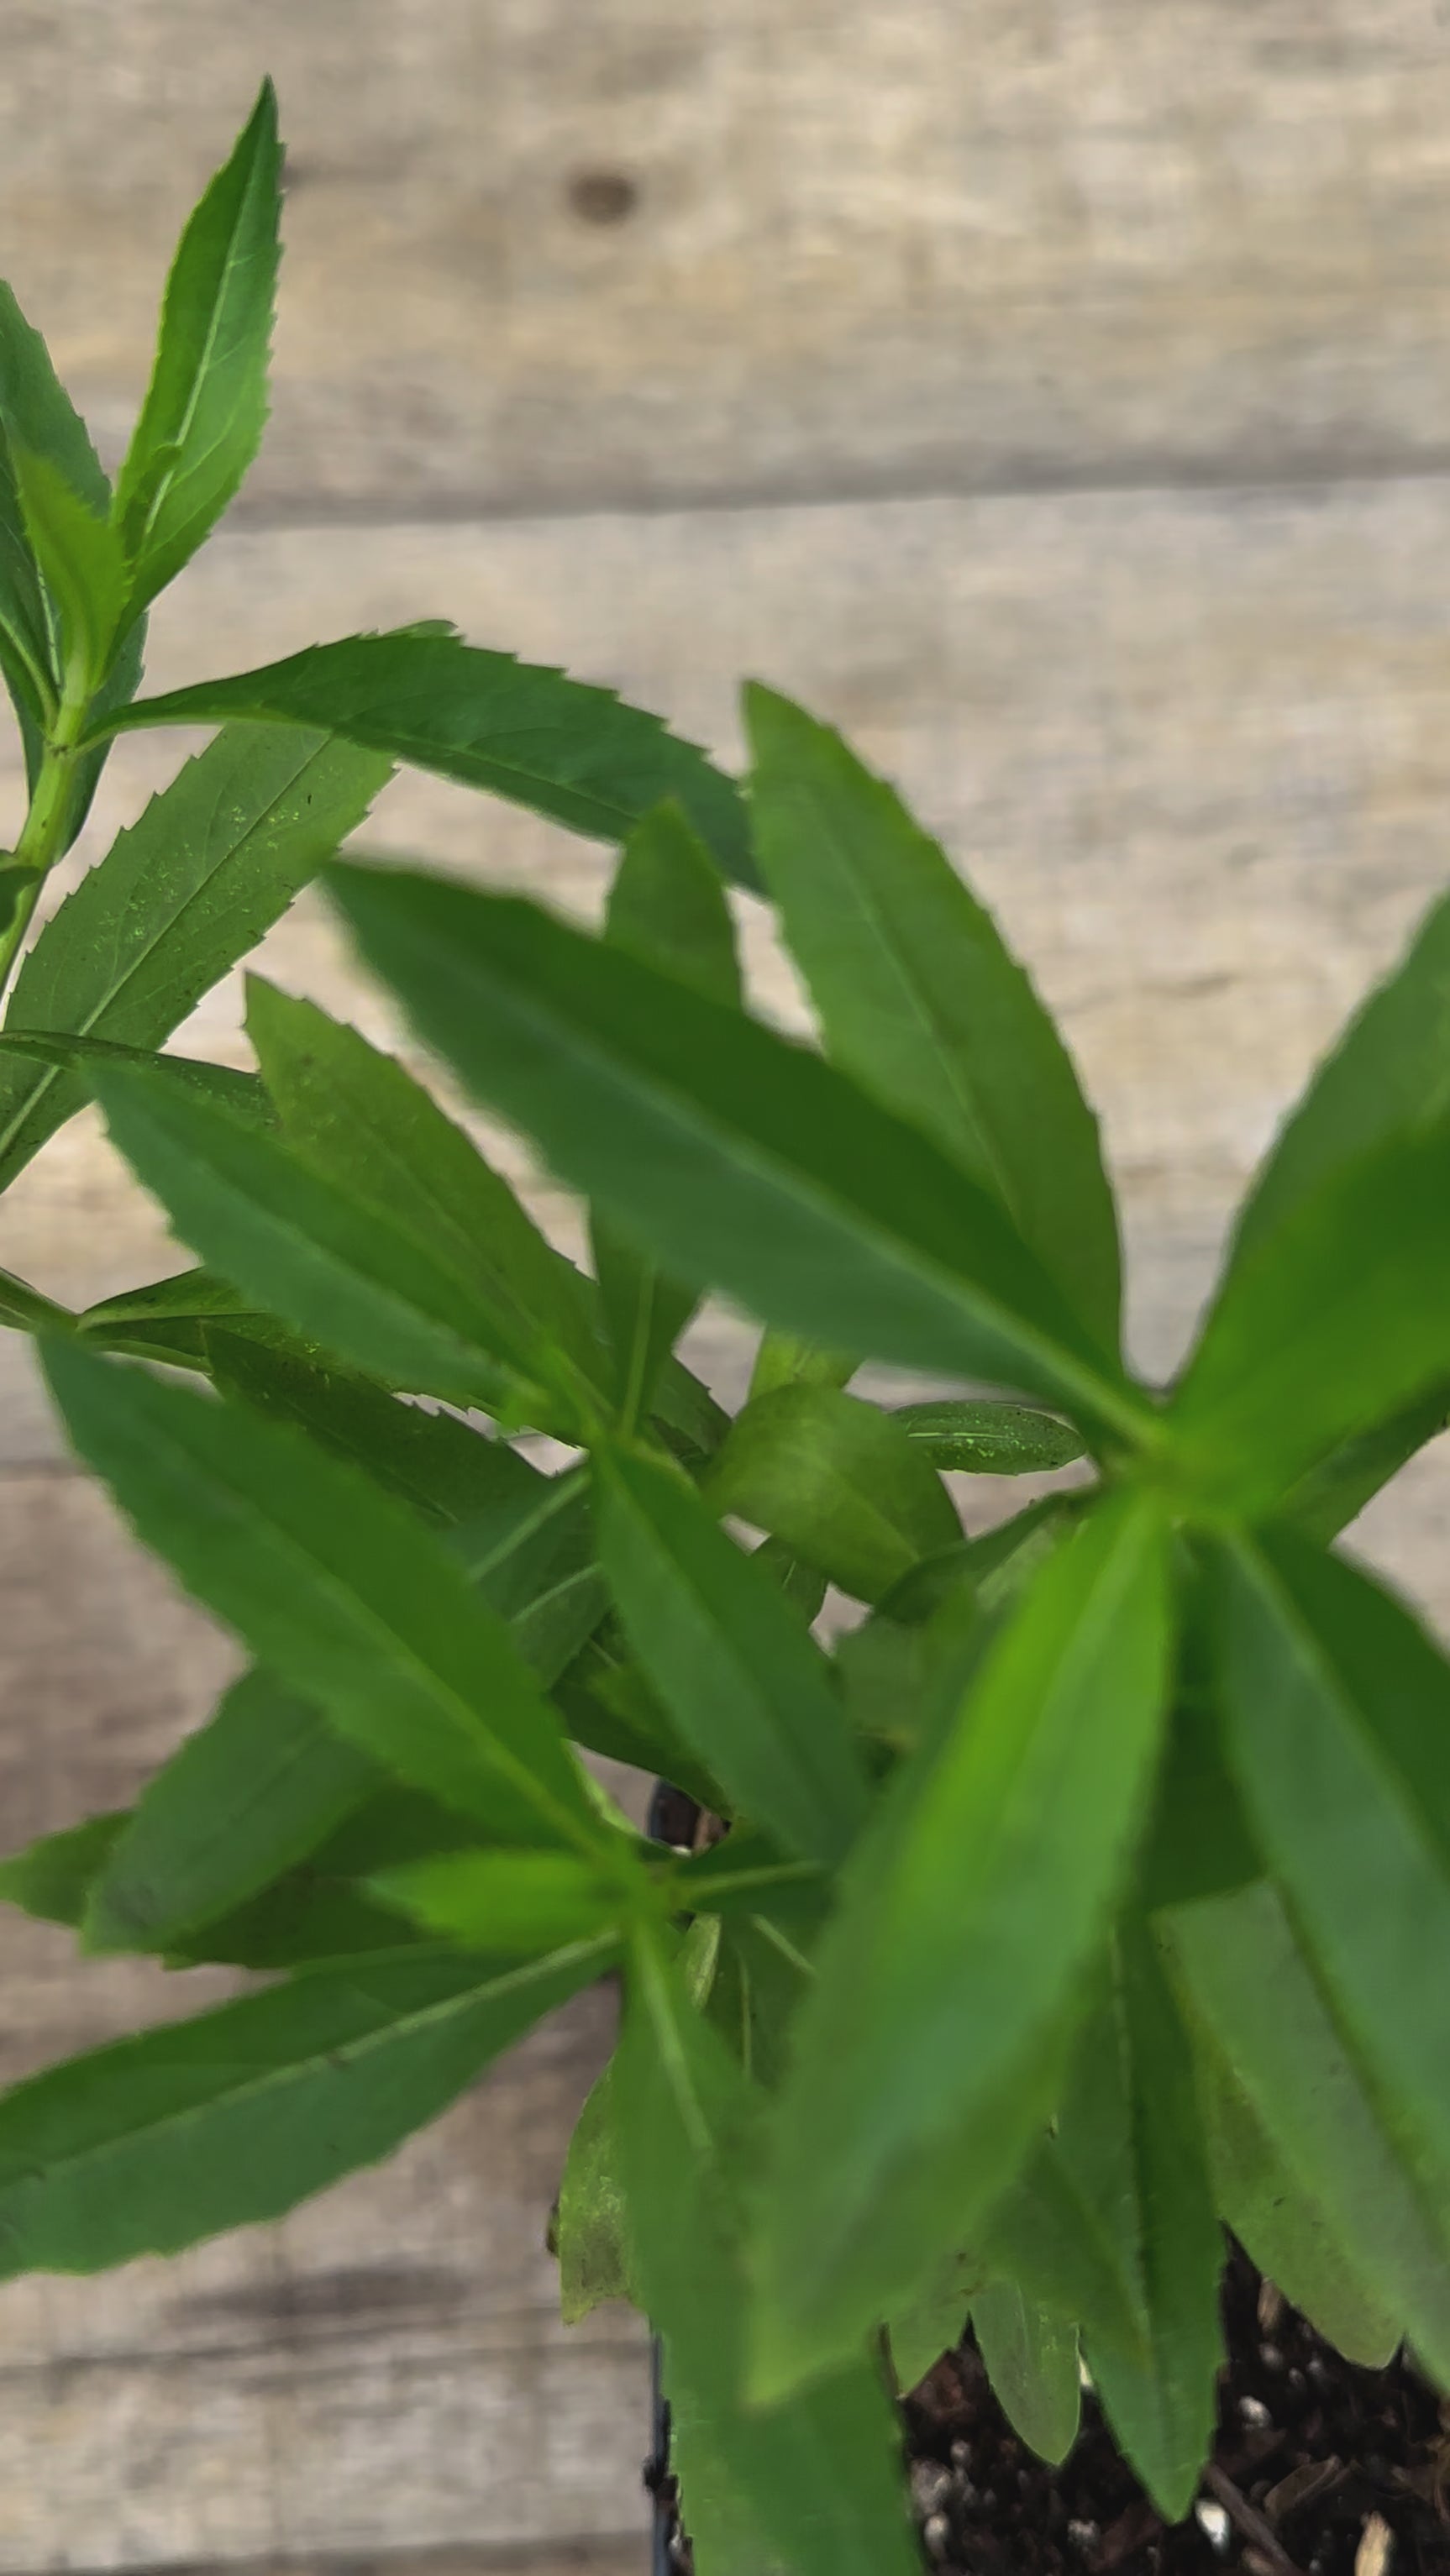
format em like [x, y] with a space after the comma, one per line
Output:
[1191, 746]
[1060, 240]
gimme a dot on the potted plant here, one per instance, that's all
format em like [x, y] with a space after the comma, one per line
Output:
[1088, 1897]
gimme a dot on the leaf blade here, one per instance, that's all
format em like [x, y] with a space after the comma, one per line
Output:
[928, 2051]
[566, 749]
[817, 2476]
[215, 859]
[1032, 2363]
[246, 1796]
[1336, 1323]
[921, 1001]
[1130, 2138]
[447, 1471]
[837, 1481]
[359, 1116]
[337, 1589]
[325, 1257]
[1385, 1076]
[1284, 2231]
[152, 2143]
[1337, 1707]
[1245, 1975]
[80, 561]
[202, 420]
[744, 1162]
[742, 1680]
[666, 905]
[984, 1439]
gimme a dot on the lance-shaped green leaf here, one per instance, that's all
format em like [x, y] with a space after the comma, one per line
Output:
[608, 1707]
[1285, 2232]
[934, 2321]
[921, 1001]
[838, 1481]
[358, 1116]
[321, 1909]
[170, 1320]
[38, 417]
[741, 1679]
[1337, 1718]
[1032, 2362]
[24, 645]
[212, 863]
[315, 1910]
[510, 1903]
[1198, 1841]
[816, 2478]
[930, 2048]
[1045, 2238]
[52, 1878]
[260, 1785]
[242, 1093]
[780, 1360]
[1388, 1075]
[116, 690]
[804, 1586]
[984, 1439]
[745, 1874]
[25, 1310]
[337, 1588]
[83, 567]
[1335, 1323]
[523, 1539]
[37, 413]
[907, 1669]
[245, 1797]
[743, 1161]
[546, 1583]
[588, 2231]
[301, 1921]
[686, 1415]
[201, 423]
[516, 729]
[1130, 2139]
[1246, 1978]
[666, 905]
[26, 658]
[432, 1460]
[762, 1970]
[334, 1261]
[155, 2142]
[1335, 1492]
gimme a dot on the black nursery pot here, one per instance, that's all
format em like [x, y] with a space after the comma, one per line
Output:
[665, 2520]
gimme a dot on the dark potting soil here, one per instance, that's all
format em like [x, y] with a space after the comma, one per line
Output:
[1320, 2469]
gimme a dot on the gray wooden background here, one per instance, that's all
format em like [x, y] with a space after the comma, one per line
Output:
[1054, 392]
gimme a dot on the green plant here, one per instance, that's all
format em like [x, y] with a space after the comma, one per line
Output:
[1093, 1891]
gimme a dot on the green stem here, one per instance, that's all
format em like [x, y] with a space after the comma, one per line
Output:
[42, 839]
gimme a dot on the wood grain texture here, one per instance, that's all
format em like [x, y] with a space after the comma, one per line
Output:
[1194, 751]
[1190, 746]
[647, 304]
[869, 248]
